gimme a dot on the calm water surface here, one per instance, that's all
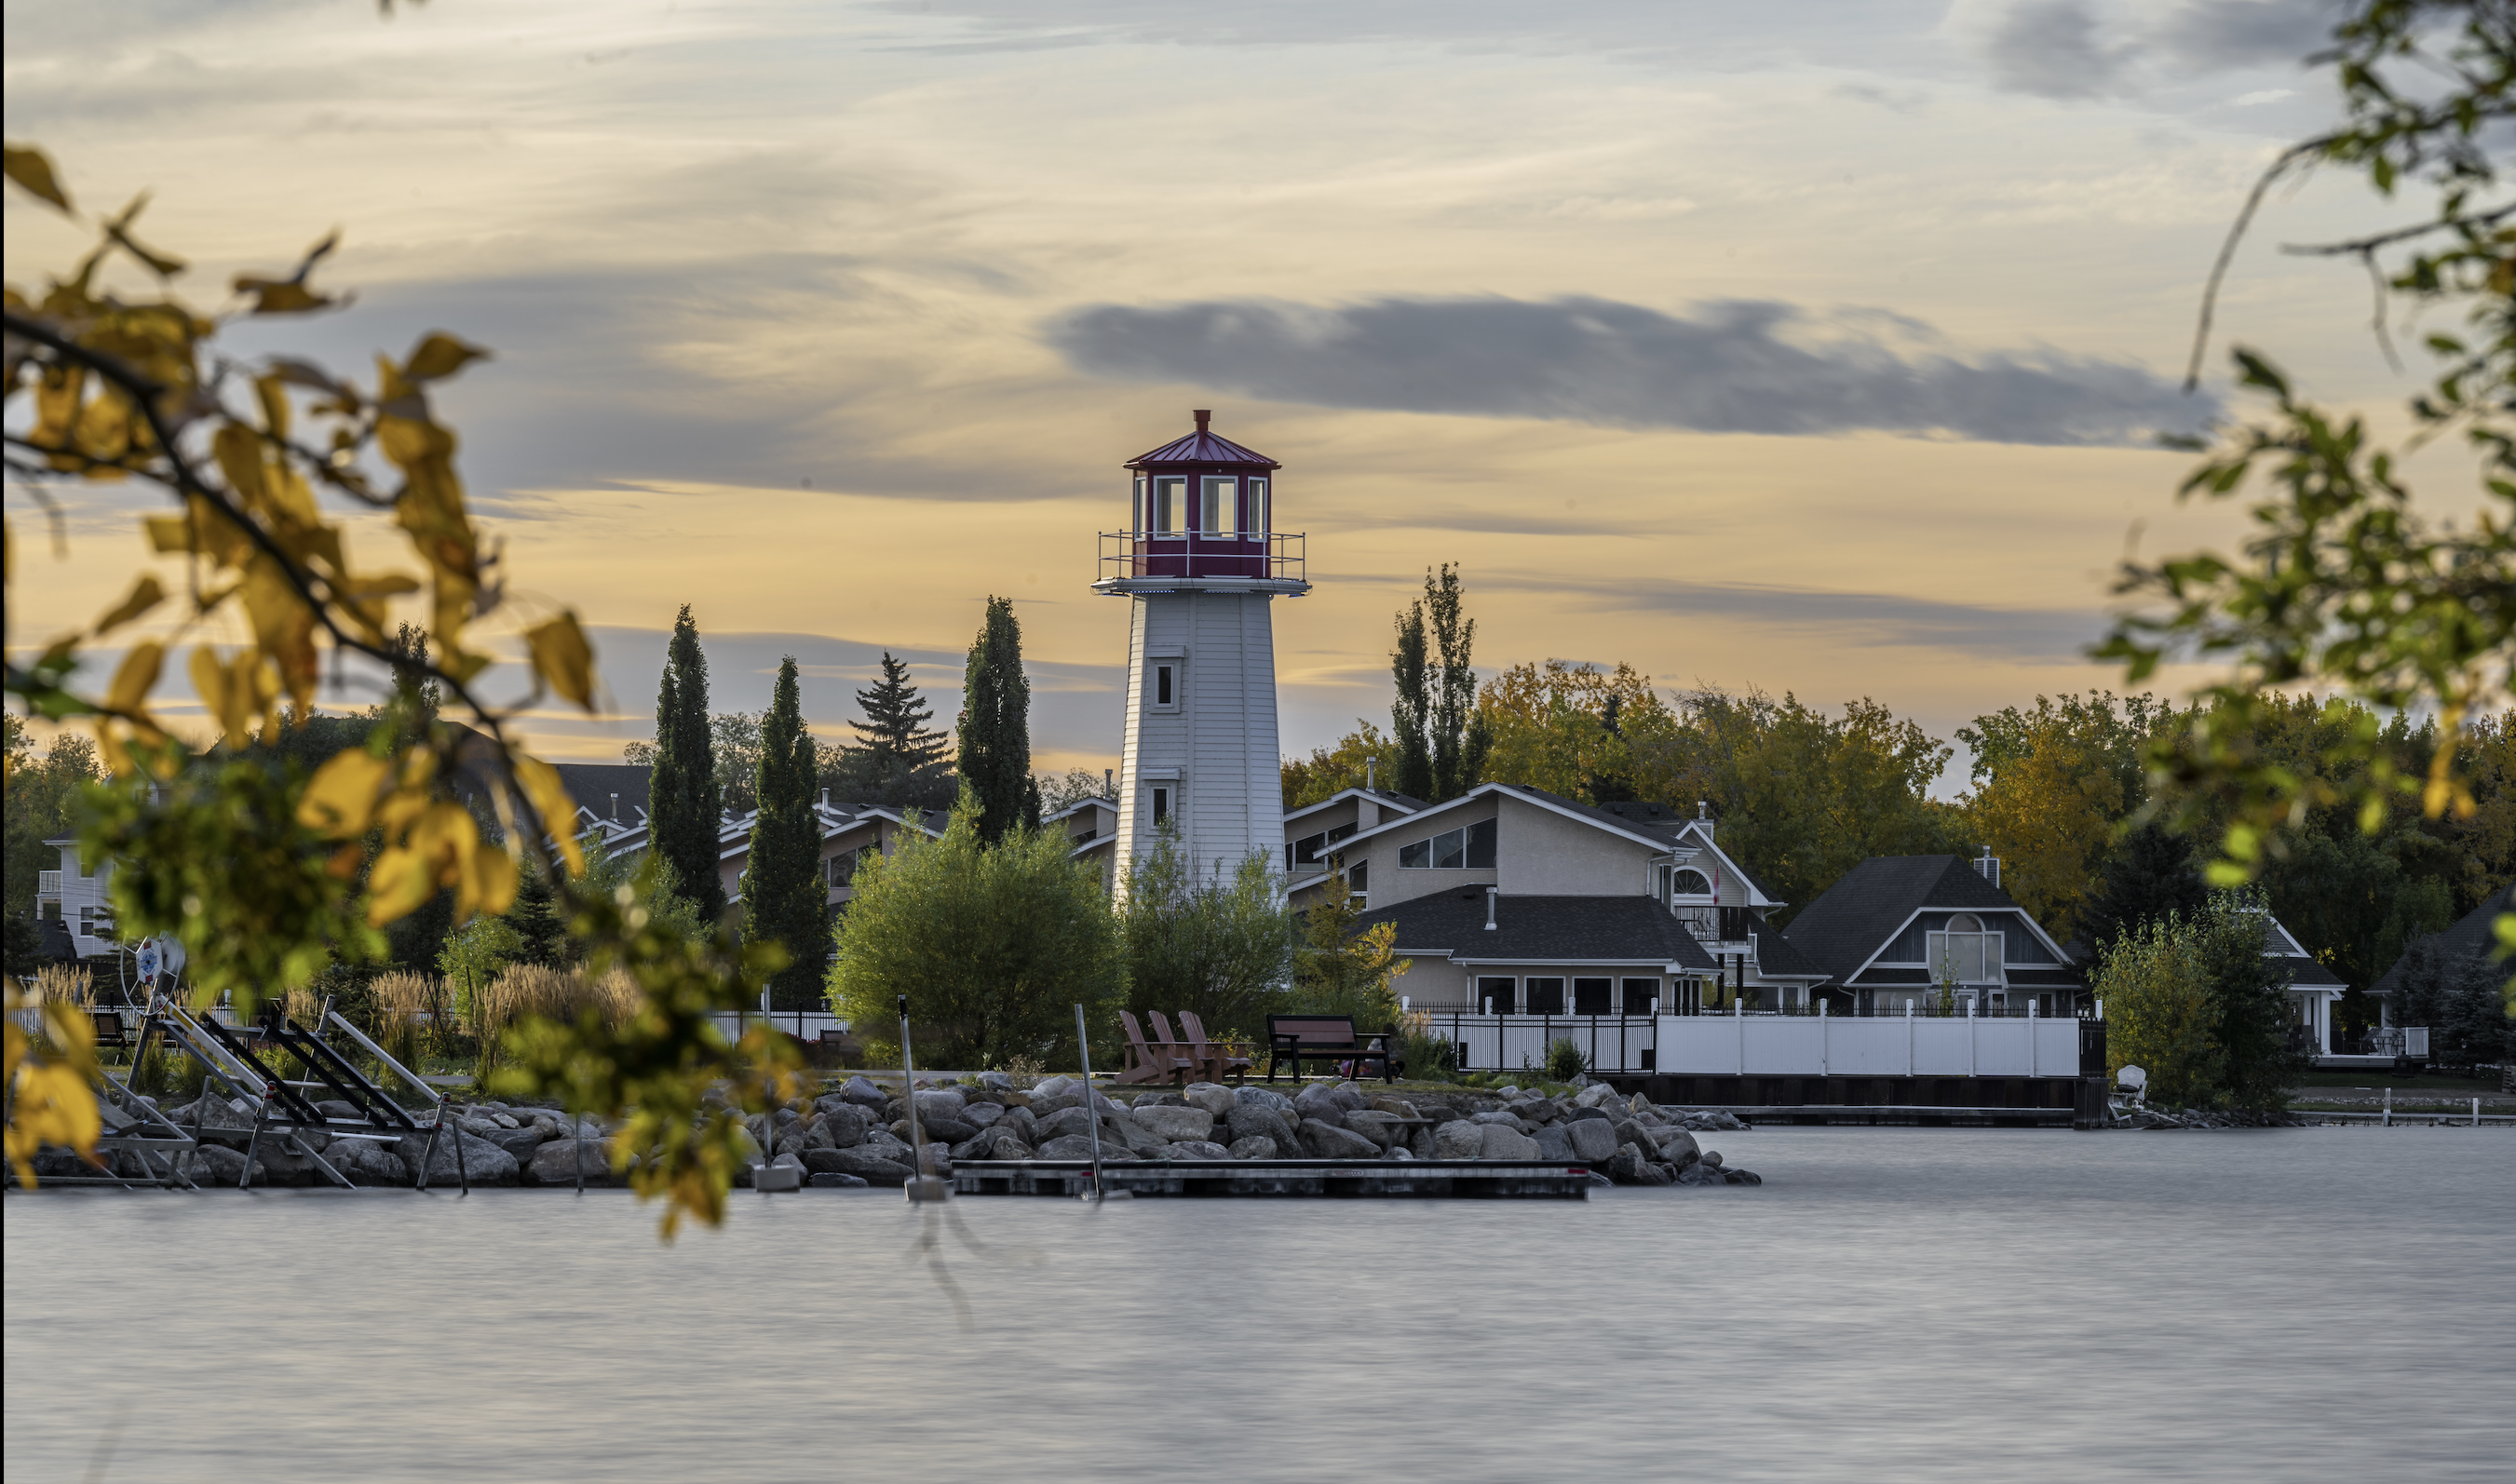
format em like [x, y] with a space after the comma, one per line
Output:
[1893, 1304]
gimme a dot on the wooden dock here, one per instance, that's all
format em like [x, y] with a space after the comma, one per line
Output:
[1318, 1179]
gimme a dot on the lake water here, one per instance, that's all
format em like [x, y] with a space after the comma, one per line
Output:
[1892, 1304]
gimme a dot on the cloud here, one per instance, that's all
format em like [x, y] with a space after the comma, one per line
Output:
[1838, 619]
[2076, 49]
[1733, 366]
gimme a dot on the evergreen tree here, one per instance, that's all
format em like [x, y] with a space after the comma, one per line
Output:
[682, 801]
[784, 899]
[1457, 739]
[894, 732]
[1410, 710]
[995, 729]
[2151, 876]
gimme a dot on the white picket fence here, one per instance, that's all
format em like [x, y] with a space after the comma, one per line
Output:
[1776, 1046]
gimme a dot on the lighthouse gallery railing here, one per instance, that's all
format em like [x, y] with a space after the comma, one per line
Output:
[1202, 555]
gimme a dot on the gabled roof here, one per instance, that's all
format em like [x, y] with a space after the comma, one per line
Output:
[1757, 896]
[1202, 447]
[1777, 959]
[2473, 934]
[1570, 808]
[1081, 805]
[591, 786]
[1542, 930]
[1852, 919]
[2304, 971]
[1387, 797]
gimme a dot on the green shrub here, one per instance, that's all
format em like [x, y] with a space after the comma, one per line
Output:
[1563, 1060]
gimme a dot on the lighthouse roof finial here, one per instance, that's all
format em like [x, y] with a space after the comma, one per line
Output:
[1203, 415]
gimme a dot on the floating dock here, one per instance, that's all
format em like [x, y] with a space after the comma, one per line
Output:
[1328, 1179]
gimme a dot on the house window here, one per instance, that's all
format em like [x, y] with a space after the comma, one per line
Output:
[1215, 511]
[1257, 510]
[1590, 997]
[1964, 953]
[1641, 996]
[1692, 883]
[1171, 505]
[842, 868]
[1470, 847]
[1165, 686]
[1306, 851]
[1546, 996]
[1494, 997]
[1162, 805]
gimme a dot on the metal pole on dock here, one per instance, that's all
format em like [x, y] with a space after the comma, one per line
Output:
[922, 1186]
[1091, 1114]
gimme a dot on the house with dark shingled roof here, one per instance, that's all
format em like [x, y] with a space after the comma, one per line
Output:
[1913, 929]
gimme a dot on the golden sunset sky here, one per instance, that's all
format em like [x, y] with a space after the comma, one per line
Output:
[1814, 348]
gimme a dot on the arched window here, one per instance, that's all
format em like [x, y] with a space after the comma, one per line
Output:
[1965, 922]
[1692, 883]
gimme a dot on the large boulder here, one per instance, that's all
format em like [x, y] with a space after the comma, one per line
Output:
[1052, 1087]
[945, 1130]
[1592, 1139]
[1631, 1167]
[213, 1165]
[1555, 1142]
[1348, 1097]
[1175, 1125]
[1498, 1116]
[555, 1162]
[833, 1179]
[1074, 1146]
[1252, 1119]
[1264, 1098]
[846, 1125]
[879, 1144]
[483, 1163]
[863, 1094]
[1459, 1139]
[1196, 1149]
[1677, 1147]
[1257, 1146]
[1325, 1141]
[982, 1114]
[1502, 1143]
[1065, 1121]
[1382, 1129]
[1024, 1127]
[1317, 1101]
[1139, 1139]
[1596, 1095]
[940, 1103]
[518, 1143]
[1214, 1097]
[367, 1162]
[866, 1166]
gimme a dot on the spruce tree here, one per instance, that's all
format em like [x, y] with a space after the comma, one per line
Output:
[784, 899]
[2151, 876]
[995, 729]
[898, 759]
[682, 801]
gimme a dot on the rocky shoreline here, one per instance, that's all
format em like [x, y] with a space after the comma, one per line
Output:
[858, 1134]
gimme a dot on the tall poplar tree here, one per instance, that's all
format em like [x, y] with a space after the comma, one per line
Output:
[996, 727]
[1411, 709]
[1458, 737]
[784, 899]
[682, 803]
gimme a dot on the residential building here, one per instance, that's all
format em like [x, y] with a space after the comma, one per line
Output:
[1933, 931]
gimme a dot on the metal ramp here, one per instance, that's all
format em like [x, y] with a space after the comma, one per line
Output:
[282, 1110]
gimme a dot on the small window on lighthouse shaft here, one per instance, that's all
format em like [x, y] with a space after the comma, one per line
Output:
[1215, 509]
[1258, 510]
[1162, 686]
[1162, 805]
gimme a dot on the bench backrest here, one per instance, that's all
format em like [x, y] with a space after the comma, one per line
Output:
[1313, 1030]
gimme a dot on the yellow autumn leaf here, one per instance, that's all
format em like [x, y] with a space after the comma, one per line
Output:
[239, 455]
[540, 783]
[33, 169]
[400, 882]
[488, 884]
[563, 657]
[146, 594]
[438, 357]
[137, 677]
[342, 797]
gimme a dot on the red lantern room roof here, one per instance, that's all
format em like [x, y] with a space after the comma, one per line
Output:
[1201, 447]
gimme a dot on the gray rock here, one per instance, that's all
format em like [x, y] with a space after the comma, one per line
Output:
[1214, 1097]
[1138, 1138]
[1742, 1178]
[1065, 1121]
[1460, 1139]
[1382, 1129]
[863, 1094]
[519, 1144]
[1196, 1149]
[1052, 1087]
[847, 1125]
[1257, 1146]
[1264, 1098]
[1592, 1112]
[856, 1162]
[1074, 1146]
[1176, 1124]
[983, 1114]
[1556, 1143]
[485, 1162]
[1348, 1097]
[1056, 1102]
[947, 1131]
[1712, 1157]
[333, 1107]
[555, 1162]
[1316, 1102]
[1155, 1100]
[1401, 1152]
[881, 1145]
[213, 1165]
[1250, 1119]
[1498, 1117]
[830, 1180]
[1630, 1168]
[1024, 1127]
[1420, 1142]
[1325, 1141]
[998, 1082]
[1008, 1147]
[1678, 1147]
[1502, 1143]
[940, 1103]
[1591, 1138]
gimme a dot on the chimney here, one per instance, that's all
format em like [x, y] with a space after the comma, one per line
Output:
[615, 808]
[1371, 773]
[1203, 417]
[1108, 783]
[1988, 865]
[1703, 821]
[1491, 893]
[826, 798]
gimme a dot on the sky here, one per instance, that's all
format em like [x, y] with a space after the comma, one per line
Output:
[1816, 348]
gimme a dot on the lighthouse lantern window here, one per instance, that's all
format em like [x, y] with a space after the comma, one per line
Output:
[1170, 506]
[1138, 523]
[1215, 513]
[1257, 526]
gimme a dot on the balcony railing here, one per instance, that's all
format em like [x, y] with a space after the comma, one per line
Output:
[1201, 555]
[1714, 925]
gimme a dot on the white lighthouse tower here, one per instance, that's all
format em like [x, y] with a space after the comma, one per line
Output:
[1200, 561]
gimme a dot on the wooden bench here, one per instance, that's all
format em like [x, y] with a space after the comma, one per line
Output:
[1327, 1038]
[109, 1029]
